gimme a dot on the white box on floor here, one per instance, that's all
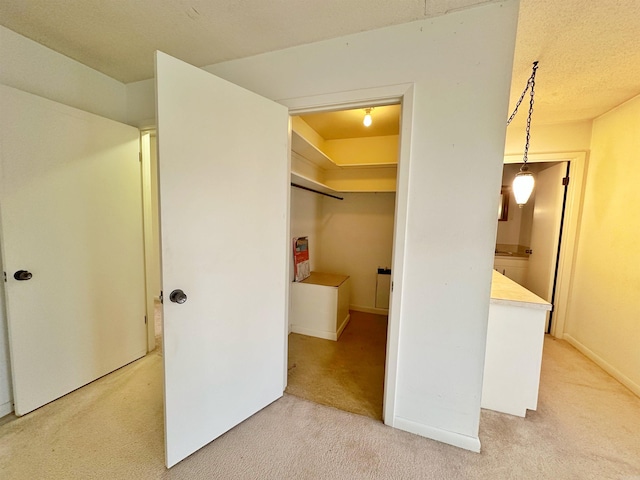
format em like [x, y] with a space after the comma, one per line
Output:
[320, 305]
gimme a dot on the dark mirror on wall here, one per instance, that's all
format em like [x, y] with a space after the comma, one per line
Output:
[503, 207]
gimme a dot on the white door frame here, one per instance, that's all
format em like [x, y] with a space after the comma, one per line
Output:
[147, 211]
[569, 244]
[152, 245]
[403, 94]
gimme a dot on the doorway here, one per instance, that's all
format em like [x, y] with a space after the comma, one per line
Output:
[344, 204]
[528, 237]
[565, 237]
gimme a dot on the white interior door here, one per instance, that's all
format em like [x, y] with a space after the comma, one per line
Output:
[545, 230]
[224, 191]
[71, 211]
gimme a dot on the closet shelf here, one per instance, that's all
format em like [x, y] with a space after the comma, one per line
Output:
[313, 184]
[312, 168]
[302, 147]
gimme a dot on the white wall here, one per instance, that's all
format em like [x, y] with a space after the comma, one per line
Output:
[550, 138]
[33, 68]
[346, 151]
[460, 69]
[604, 310]
[356, 237]
[306, 208]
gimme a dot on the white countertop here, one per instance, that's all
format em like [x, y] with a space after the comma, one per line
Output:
[505, 291]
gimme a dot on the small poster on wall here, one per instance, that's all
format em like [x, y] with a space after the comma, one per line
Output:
[301, 268]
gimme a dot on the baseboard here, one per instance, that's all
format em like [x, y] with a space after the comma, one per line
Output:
[342, 327]
[445, 436]
[314, 333]
[6, 409]
[606, 366]
[376, 311]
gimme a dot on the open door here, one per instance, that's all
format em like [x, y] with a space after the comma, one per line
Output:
[224, 192]
[545, 231]
[71, 206]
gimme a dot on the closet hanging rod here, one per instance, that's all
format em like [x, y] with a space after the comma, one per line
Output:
[316, 191]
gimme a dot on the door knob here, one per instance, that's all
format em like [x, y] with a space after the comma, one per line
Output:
[178, 296]
[22, 275]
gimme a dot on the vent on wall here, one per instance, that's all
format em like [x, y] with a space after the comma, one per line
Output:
[383, 288]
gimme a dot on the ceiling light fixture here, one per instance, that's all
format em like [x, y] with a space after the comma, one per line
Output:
[367, 117]
[524, 181]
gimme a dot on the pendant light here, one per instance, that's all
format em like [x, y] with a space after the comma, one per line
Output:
[367, 117]
[524, 181]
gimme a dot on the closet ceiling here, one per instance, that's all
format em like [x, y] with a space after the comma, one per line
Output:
[348, 123]
[589, 52]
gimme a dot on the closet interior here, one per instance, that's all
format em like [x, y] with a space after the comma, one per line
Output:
[343, 182]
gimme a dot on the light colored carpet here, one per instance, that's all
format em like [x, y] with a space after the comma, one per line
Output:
[587, 427]
[347, 374]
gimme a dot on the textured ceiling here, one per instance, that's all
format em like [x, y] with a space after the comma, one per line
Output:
[589, 51]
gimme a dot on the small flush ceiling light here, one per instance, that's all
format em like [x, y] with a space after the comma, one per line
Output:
[367, 117]
[524, 181]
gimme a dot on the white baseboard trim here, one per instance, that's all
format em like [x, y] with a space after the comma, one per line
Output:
[344, 324]
[314, 333]
[445, 436]
[6, 409]
[376, 311]
[602, 363]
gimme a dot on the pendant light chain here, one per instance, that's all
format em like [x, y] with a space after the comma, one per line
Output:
[524, 181]
[532, 83]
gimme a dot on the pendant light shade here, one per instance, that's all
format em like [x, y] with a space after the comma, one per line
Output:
[523, 186]
[367, 118]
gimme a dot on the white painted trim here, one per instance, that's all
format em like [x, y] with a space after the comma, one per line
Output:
[147, 215]
[402, 93]
[398, 258]
[6, 409]
[287, 271]
[375, 311]
[315, 333]
[452, 438]
[385, 95]
[573, 213]
[606, 366]
[343, 325]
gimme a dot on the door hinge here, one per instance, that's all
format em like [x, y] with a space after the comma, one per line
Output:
[565, 181]
[161, 297]
[392, 286]
[140, 157]
[145, 319]
[5, 277]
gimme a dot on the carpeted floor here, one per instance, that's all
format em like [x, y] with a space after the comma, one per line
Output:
[587, 427]
[347, 374]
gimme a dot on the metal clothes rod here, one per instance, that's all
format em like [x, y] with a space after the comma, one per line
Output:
[316, 191]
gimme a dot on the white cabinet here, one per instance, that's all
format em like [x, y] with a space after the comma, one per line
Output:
[514, 268]
[320, 305]
[515, 336]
